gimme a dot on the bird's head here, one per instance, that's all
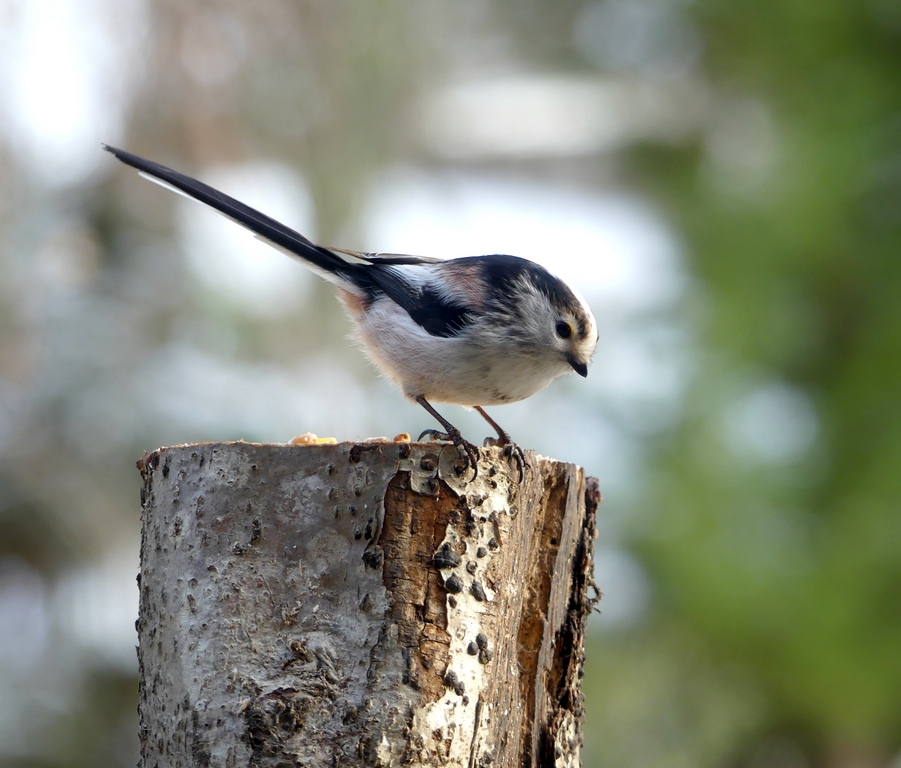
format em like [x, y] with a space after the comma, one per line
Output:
[551, 319]
[575, 333]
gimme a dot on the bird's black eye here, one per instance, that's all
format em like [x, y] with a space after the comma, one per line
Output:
[564, 329]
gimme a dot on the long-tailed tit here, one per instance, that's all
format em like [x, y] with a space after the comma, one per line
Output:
[475, 331]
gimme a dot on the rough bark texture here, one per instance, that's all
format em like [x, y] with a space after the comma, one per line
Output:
[361, 605]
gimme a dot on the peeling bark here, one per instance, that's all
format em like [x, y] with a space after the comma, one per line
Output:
[361, 605]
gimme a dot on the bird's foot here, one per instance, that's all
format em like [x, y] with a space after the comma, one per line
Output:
[510, 451]
[435, 436]
[468, 452]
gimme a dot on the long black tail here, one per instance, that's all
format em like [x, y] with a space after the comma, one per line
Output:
[266, 228]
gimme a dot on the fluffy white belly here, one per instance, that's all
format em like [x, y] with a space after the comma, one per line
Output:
[463, 370]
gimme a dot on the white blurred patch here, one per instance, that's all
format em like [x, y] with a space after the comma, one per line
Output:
[24, 620]
[67, 66]
[538, 115]
[209, 395]
[616, 250]
[774, 423]
[97, 604]
[643, 372]
[228, 260]
[625, 588]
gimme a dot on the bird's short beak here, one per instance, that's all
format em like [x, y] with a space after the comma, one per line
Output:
[579, 367]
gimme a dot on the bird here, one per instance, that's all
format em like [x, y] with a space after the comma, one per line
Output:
[474, 331]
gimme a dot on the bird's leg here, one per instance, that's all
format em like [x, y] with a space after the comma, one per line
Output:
[511, 449]
[467, 450]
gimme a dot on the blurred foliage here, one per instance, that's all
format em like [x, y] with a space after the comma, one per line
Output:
[765, 517]
[791, 568]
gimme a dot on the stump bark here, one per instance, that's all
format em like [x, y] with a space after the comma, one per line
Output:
[361, 605]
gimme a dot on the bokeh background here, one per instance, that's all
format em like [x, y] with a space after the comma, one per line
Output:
[721, 178]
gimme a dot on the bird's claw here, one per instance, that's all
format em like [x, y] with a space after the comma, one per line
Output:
[517, 454]
[468, 452]
[435, 436]
[511, 452]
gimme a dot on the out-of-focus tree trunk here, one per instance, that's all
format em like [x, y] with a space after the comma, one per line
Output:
[361, 605]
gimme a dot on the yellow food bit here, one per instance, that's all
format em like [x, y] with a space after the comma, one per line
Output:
[308, 438]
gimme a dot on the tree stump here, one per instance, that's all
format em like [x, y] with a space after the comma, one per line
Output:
[361, 605]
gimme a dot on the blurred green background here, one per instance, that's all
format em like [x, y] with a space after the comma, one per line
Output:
[721, 179]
